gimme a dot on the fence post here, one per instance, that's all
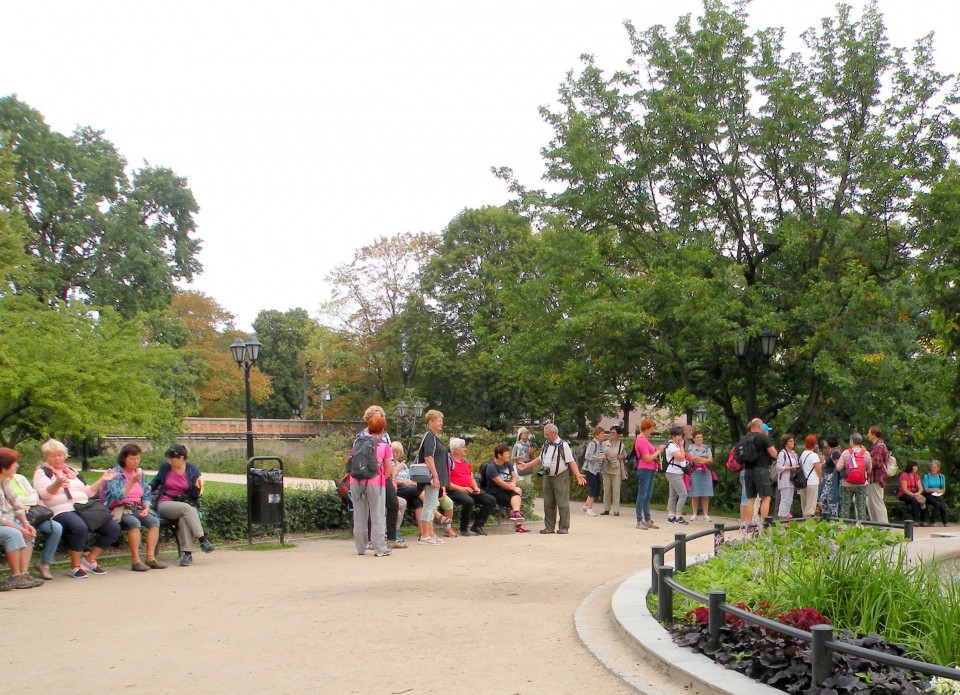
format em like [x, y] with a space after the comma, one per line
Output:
[665, 596]
[718, 538]
[821, 656]
[680, 552]
[767, 521]
[908, 529]
[716, 620]
[657, 554]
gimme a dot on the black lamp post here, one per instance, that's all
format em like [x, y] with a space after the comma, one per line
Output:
[245, 354]
[415, 414]
[700, 415]
[747, 354]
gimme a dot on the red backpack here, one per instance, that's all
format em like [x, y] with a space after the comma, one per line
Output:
[733, 465]
[856, 468]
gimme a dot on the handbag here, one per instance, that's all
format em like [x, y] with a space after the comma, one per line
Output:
[94, 514]
[420, 473]
[37, 515]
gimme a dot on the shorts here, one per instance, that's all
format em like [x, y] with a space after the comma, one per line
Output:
[502, 496]
[757, 482]
[128, 522]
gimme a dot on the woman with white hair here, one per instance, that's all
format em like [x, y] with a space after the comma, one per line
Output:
[521, 452]
[61, 488]
[465, 491]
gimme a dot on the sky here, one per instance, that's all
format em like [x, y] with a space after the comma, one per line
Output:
[307, 130]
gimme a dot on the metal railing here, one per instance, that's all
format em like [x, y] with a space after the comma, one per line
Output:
[821, 637]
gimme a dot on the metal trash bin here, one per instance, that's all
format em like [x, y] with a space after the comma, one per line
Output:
[265, 496]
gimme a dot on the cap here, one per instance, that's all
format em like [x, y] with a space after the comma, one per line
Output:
[767, 428]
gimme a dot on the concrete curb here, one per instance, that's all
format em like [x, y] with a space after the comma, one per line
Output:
[684, 665]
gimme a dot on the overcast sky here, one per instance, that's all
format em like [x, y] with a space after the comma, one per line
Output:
[308, 129]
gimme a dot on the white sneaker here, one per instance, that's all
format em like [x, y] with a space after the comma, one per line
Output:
[583, 508]
[590, 512]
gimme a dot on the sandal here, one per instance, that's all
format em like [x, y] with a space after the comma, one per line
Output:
[450, 533]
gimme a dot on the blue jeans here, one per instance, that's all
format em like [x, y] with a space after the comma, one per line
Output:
[51, 531]
[644, 493]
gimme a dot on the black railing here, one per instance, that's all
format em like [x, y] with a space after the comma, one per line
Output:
[821, 637]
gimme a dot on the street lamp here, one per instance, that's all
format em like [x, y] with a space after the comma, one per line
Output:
[700, 414]
[245, 354]
[767, 341]
[402, 410]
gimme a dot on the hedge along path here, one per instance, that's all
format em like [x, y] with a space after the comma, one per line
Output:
[493, 614]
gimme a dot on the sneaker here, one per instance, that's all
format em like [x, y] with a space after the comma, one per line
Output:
[583, 508]
[590, 512]
[465, 532]
[92, 567]
[477, 530]
[604, 513]
[156, 564]
[642, 526]
[383, 553]
[25, 581]
[650, 524]
[139, 567]
[429, 540]
[6, 584]
[521, 529]
[516, 516]
[616, 513]
[206, 546]
[43, 569]
[563, 531]
[186, 559]
[77, 573]
[680, 520]
[547, 530]
[671, 519]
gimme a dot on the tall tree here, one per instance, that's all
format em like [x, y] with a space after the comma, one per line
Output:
[740, 189]
[210, 331]
[96, 236]
[285, 337]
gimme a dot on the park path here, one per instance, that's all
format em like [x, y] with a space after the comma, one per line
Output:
[485, 615]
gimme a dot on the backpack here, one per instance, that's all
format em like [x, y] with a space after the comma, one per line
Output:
[797, 477]
[856, 470]
[580, 455]
[363, 463]
[631, 460]
[892, 467]
[732, 464]
[745, 451]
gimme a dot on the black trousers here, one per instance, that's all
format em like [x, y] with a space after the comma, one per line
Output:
[914, 504]
[468, 501]
[392, 508]
[936, 506]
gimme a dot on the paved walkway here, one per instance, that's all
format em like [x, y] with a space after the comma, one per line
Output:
[486, 615]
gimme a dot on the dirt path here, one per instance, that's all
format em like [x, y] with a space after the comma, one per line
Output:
[479, 615]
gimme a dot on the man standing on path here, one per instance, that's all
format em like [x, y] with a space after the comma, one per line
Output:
[756, 476]
[557, 461]
[876, 507]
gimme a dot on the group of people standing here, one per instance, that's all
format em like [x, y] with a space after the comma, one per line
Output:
[58, 505]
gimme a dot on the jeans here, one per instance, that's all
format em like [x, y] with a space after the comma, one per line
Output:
[644, 492]
[678, 494]
[51, 531]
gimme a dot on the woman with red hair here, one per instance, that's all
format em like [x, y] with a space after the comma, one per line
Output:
[369, 494]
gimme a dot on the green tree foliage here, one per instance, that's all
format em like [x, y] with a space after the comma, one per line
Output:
[96, 235]
[725, 187]
[67, 372]
[284, 358]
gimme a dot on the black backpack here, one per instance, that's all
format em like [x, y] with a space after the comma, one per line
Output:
[631, 459]
[745, 451]
[580, 455]
[363, 463]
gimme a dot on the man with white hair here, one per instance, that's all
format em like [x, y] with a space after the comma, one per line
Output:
[557, 461]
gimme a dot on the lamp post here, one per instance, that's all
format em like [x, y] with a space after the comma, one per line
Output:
[245, 354]
[746, 352]
[700, 415]
[415, 414]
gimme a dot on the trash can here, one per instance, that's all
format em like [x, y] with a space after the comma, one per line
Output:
[264, 496]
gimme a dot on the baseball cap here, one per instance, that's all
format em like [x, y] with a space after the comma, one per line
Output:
[767, 428]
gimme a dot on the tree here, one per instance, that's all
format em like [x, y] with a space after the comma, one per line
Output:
[210, 331]
[66, 372]
[739, 189]
[97, 237]
[368, 297]
[285, 337]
